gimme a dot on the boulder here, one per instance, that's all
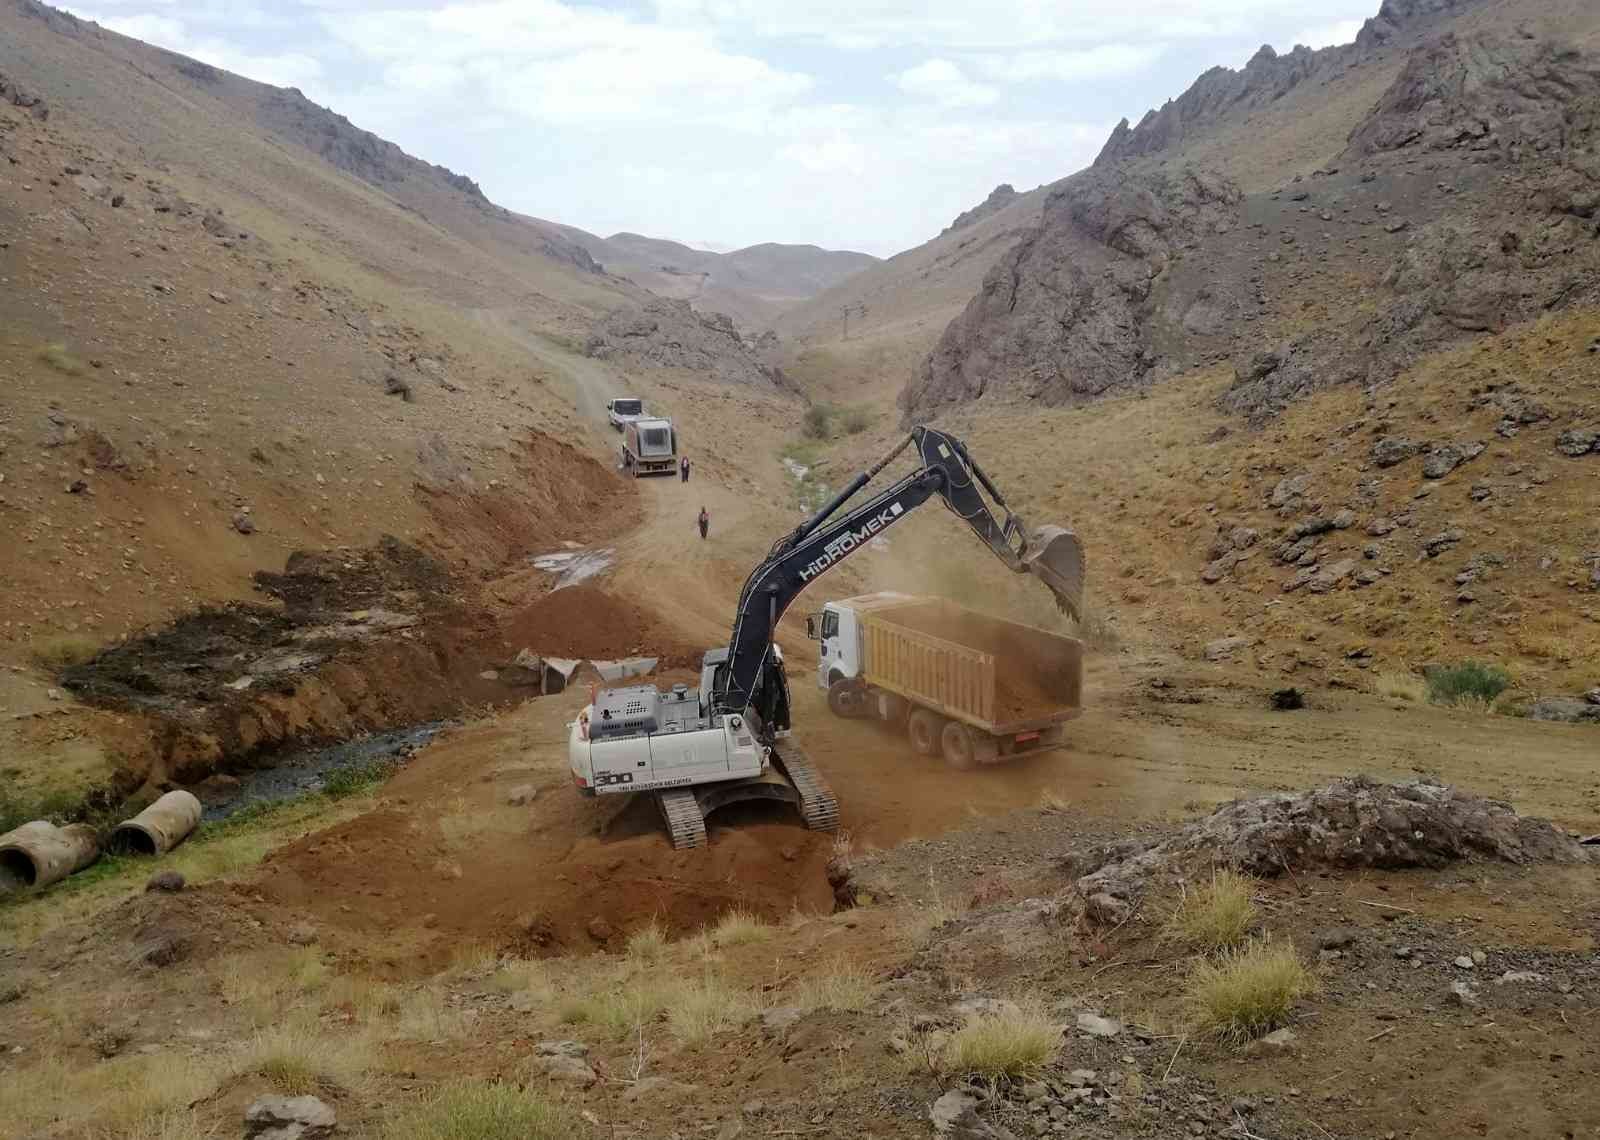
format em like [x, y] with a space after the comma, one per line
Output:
[566, 1070]
[1331, 575]
[1225, 647]
[1392, 450]
[289, 1118]
[1576, 441]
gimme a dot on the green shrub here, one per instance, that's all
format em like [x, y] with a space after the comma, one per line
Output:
[356, 778]
[1247, 992]
[854, 421]
[1471, 682]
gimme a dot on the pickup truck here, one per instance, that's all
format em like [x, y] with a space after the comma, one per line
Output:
[623, 411]
[970, 687]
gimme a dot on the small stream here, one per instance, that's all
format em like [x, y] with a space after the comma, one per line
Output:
[296, 773]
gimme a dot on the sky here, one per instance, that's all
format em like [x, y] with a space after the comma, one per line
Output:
[850, 124]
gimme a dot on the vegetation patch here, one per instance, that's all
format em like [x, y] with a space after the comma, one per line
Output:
[59, 357]
[1471, 683]
[1005, 1043]
[484, 1110]
[1248, 991]
[1216, 916]
[1402, 687]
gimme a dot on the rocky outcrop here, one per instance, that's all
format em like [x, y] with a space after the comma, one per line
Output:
[1267, 77]
[1509, 125]
[1076, 308]
[999, 198]
[12, 92]
[670, 334]
[1223, 92]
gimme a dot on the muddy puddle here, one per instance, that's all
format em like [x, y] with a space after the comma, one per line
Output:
[296, 773]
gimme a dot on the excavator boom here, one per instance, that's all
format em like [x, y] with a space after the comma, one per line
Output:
[1051, 554]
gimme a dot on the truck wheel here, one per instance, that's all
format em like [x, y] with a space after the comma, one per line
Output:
[847, 698]
[923, 727]
[964, 748]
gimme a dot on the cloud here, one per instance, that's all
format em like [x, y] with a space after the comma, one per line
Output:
[946, 84]
[1106, 61]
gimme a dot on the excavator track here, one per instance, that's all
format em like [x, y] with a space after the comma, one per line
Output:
[818, 805]
[686, 820]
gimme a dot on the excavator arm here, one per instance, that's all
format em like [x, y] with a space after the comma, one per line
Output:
[750, 681]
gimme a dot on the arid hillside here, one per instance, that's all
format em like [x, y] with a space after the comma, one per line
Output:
[753, 285]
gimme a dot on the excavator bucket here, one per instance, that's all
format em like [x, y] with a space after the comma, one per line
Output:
[1055, 557]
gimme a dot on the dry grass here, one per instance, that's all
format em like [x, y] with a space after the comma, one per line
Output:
[298, 1060]
[1053, 803]
[484, 1110]
[59, 357]
[1402, 687]
[740, 927]
[370, 1000]
[1217, 915]
[649, 942]
[844, 986]
[268, 984]
[698, 1011]
[1011, 1043]
[427, 1015]
[63, 651]
[924, 917]
[1248, 991]
[524, 975]
[143, 1095]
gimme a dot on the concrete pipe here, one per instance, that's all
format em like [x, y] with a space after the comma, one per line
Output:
[158, 828]
[40, 853]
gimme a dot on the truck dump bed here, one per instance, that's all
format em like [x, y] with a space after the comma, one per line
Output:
[1000, 676]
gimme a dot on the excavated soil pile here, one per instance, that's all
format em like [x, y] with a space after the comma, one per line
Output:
[345, 579]
[1351, 823]
[586, 622]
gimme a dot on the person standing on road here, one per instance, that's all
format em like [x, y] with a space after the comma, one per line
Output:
[683, 468]
[704, 521]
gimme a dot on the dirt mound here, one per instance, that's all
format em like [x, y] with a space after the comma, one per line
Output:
[669, 334]
[348, 579]
[1349, 824]
[584, 621]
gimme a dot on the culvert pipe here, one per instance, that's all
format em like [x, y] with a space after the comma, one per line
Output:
[40, 853]
[158, 828]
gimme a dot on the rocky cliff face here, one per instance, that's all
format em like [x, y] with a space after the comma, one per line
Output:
[1268, 77]
[1089, 301]
[1465, 201]
[999, 198]
[670, 334]
[1485, 150]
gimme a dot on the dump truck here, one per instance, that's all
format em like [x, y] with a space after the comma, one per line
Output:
[973, 688]
[650, 447]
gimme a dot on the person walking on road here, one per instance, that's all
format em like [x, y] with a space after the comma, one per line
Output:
[683, 468]
[704, 521]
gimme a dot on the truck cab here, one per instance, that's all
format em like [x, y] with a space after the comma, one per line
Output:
[837, 630]
[623, 410]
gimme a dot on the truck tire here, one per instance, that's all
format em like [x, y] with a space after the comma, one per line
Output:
[964, 748]
[923, 728]
[847, 698]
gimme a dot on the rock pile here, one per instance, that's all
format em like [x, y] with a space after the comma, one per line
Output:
[664, 333]
[1351, 823]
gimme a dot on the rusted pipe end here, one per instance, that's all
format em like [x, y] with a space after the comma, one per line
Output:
[40, 853]
[158, 828]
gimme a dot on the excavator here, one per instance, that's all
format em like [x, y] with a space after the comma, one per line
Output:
[696, 750]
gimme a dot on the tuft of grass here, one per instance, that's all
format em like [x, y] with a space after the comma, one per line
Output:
[1402, 687]
[1469, 683]
[739, 927]
[697, 1011]
[649, 942]
[1247, 991]
[1011, 1043]
[130, 1095]
[353, 779]
[1217, 915]
[63, 651]
[524, 975]
[484, 1110]
[298, 1061]
[59, 357]
[1053, 803]
[846, 987]
[817, 423]
[426, 1015]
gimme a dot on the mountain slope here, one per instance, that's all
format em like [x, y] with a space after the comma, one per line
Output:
[752, 285]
